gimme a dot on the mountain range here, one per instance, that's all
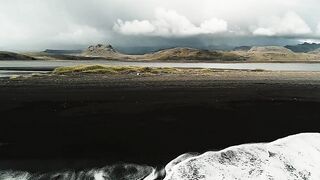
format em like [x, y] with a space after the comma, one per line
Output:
[305, 47]
[302, 52]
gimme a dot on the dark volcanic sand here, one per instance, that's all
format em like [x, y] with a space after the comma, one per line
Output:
[83, 121]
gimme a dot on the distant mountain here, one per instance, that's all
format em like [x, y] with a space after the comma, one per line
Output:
[108, 52]
[54, 51]
[316, 51]
[270, 49]
[4, 55]
[305, 47]
[273, 53]
[218, 47]
[140, 50]
[268, 53]
[276, 53]
[193, 54]
[101, 50]
[242, 48]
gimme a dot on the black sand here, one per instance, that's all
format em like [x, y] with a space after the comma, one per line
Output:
[83, 121]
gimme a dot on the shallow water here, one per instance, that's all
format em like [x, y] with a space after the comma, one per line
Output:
[5, 73]
[38, 66]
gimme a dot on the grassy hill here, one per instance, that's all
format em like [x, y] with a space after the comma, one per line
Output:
[276, 53]
[193, 54]
[5, 55]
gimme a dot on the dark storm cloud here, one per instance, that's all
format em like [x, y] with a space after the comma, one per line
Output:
[39, 24]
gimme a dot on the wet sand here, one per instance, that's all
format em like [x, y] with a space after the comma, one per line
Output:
[82, 121]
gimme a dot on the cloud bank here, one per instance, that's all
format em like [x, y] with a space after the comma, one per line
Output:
[170, 23]
[290, 24]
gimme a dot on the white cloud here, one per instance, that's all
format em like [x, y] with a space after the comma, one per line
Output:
[264, 32]
[170, 23]
[80, 34]
[318, 28]
[214, 25]
[134, 27]
[31, 26]
[289, 25]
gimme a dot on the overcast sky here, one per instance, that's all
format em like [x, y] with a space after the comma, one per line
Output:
[41, 24]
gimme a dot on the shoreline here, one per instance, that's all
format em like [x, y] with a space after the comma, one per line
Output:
[22, 67]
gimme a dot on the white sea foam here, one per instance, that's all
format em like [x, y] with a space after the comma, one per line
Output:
[119, 171]
[292, 158]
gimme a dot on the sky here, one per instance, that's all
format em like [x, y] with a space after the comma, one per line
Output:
[74, 24]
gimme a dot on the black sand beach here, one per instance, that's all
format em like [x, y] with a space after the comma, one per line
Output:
[80, 121]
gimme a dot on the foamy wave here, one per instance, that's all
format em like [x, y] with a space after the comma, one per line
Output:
[114, 172]
[291, 158]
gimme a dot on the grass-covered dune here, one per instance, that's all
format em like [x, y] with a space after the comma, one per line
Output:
[101, 69]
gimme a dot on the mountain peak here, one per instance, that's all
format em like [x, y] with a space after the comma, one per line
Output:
[100, 50]
[106, 47]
